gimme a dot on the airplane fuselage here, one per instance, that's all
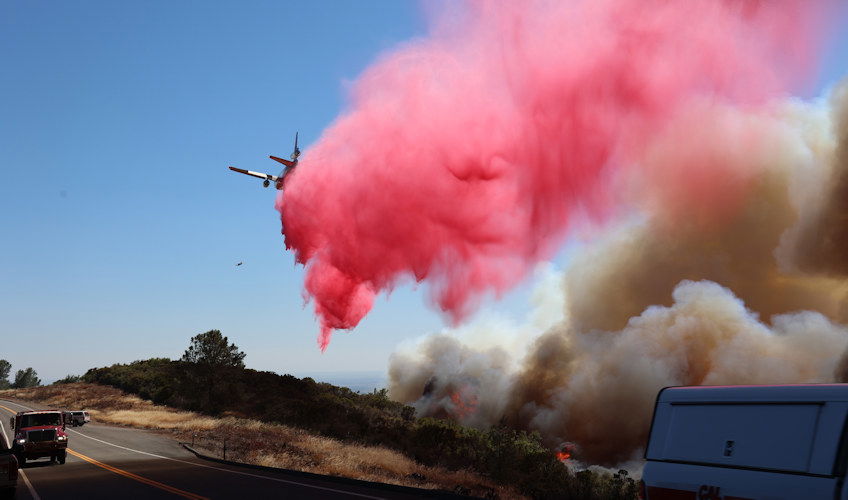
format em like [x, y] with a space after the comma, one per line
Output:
[278, 181]
[282, 177]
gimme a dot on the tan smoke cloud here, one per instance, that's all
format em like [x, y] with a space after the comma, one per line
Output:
[482, 357]
[736, 276]
[822, 240]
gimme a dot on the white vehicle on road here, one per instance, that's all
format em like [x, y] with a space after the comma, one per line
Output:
[748, 442]
[78, 418]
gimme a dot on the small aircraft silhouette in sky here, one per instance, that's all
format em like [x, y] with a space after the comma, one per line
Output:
[278, 179]
[240, 263]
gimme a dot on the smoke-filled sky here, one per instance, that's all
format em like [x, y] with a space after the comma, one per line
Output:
[756, 294]
[122, 225]
[720, 257]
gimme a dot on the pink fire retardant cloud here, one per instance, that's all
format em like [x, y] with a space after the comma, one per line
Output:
[463, 156]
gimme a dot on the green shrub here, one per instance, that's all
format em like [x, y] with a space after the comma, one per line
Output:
[69, 379]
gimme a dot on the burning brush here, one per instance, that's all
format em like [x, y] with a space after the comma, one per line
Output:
[565, 452]
[464, 401]
[454, 400]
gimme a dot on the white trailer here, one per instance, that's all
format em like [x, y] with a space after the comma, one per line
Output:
[748, 442]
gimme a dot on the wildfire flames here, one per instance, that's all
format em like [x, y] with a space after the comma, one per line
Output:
[455, 399]
[464, 403]
[565, 451]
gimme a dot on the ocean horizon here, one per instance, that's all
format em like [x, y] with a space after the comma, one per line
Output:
[357, 381]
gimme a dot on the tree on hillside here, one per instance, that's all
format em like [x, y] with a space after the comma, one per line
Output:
[213, 349]
[5, 368]
[26, 378]
[210, 353]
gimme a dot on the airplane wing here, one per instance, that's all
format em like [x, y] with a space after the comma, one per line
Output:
[272, 178]
[284, 162]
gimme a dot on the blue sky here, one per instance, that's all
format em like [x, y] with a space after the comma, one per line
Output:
[121, 223]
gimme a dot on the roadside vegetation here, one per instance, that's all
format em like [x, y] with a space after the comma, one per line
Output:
[69, 379]
[210, 397]
[23, 378]
[255, 442]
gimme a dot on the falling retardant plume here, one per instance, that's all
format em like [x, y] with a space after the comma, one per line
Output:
[464, 157]
[678, 292]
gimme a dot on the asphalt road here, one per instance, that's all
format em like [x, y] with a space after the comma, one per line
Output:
[115, 462]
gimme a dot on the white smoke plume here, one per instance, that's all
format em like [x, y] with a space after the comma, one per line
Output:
[750, 290]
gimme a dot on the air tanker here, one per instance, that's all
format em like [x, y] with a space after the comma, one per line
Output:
[278, 180]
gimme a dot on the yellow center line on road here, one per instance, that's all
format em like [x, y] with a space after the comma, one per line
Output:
[13, 412]
[136, 477]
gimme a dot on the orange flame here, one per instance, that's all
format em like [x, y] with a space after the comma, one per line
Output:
[565, 451]
[463, 407]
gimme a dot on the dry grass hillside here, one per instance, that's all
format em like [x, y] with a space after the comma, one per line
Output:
[280, 446]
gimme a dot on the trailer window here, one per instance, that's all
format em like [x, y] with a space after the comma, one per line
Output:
[771, 436]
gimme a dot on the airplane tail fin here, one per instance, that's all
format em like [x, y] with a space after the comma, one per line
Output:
[284, 162]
